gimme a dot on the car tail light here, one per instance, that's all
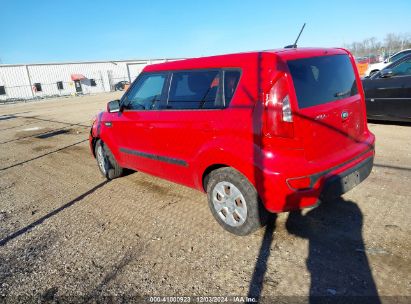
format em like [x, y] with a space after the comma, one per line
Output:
[278, 117]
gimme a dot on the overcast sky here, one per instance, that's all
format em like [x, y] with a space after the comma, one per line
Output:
[49, 31]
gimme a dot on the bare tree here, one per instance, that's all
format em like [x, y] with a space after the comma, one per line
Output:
[392, 43]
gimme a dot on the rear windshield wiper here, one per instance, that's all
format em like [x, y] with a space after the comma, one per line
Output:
[342, 94]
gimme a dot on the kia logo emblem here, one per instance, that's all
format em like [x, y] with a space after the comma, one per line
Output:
[344, 115]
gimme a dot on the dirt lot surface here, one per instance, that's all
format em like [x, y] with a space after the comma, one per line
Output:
[65, 233]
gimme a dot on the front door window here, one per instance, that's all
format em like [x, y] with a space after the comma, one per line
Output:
[146, 93]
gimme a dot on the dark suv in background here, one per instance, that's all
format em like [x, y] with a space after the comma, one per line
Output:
[388, 92]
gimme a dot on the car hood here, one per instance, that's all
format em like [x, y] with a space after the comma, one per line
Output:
[377, 66]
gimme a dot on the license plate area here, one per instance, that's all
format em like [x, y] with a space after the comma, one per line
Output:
[350, 181]
[339, 184]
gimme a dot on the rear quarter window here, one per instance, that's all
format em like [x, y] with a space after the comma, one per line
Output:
[231, 79]
[323, 79]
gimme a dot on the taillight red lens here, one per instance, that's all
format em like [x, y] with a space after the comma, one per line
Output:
[278, 118]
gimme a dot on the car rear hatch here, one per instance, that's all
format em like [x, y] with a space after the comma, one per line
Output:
[330, 108]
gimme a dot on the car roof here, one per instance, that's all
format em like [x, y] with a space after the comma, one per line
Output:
[241, 59]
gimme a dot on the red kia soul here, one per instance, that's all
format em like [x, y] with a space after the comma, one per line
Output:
[259, 132]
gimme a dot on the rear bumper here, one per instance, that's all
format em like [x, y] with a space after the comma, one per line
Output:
[343, 182]
[278, 196]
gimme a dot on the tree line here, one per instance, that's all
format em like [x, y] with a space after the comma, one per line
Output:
[391, 44]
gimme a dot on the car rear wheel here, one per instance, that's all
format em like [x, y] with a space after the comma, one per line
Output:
[107, 164]
[234, 202]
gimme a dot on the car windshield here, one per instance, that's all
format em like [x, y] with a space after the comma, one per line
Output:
[399, 56]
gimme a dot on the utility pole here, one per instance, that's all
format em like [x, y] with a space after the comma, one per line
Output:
[29, 78]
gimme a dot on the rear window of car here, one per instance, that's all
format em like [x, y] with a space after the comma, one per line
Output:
[319, 80]
[194, 90]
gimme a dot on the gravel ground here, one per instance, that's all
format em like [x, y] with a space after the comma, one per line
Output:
[68, 235]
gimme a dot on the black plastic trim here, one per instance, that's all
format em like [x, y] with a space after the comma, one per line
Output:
[165, 159]
[315, 177]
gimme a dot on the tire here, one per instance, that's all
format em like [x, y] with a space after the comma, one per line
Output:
[106, 162]
[234, 202]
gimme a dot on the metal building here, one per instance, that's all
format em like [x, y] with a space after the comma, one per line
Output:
[41, 80]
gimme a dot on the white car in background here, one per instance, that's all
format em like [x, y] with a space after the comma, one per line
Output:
[375, 67]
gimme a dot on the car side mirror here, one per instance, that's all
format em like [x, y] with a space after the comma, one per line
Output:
[386, 73]
[372, 73]
[113, 106]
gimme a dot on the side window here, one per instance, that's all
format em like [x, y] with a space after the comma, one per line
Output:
[231, 79]
[146, 93]
[194, 90]
[403, 69]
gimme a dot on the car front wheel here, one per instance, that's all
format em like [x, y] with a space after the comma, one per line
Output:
[107, 164]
